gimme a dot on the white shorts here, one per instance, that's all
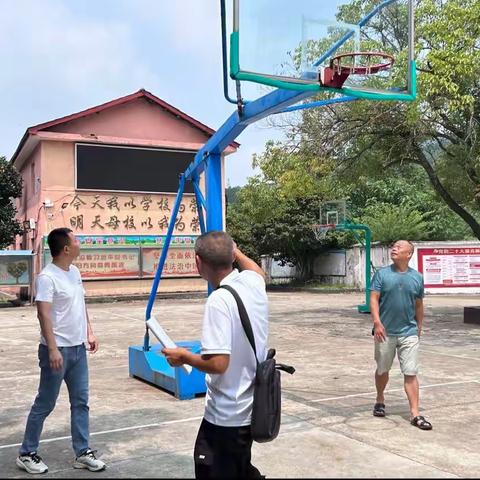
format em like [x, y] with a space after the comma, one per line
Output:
[407, 351]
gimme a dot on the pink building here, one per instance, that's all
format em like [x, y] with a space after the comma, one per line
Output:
[110, 173]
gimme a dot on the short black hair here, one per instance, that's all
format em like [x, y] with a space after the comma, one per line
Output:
[215, 248]
[58, 239]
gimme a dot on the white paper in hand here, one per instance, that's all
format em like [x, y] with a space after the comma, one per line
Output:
[164, 339]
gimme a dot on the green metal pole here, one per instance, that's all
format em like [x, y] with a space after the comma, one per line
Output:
[364, 308]
[368, 270]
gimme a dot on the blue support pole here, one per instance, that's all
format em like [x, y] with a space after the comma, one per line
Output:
[210, 154]
[235, 125]
[214, 192]
[214, 195]
[163, 257]
[320, 103]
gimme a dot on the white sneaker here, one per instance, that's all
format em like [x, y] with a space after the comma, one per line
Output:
[32, 463]
[88, 460]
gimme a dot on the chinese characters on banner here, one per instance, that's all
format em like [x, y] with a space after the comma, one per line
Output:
[96, 263]
[449, 267]
[109, 256]
[178, 262]
[129, 214]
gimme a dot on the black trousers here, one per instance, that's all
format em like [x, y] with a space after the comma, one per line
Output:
[224, 452]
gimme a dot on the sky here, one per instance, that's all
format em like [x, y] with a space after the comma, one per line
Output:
[62, 56]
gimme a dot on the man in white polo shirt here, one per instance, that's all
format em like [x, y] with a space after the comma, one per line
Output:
[224, 443]
[65, 328]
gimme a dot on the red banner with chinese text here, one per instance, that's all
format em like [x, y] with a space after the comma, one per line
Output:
[111, 263]
[449, 267]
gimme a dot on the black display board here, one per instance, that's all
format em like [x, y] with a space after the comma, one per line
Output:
[131, 169]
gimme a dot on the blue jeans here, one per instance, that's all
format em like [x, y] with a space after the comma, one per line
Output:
[75, 374]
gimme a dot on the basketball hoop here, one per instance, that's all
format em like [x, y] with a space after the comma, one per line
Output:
[339, 69]
[361, 68]
[320, 230]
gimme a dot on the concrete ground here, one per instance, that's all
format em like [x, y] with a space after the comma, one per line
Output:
[328, 429]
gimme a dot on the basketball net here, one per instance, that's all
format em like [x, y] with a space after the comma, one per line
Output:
[320, 230]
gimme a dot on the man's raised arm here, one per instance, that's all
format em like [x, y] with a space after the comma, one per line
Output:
[246, 263]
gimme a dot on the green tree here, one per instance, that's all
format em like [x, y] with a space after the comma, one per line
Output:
[404, 192]
[267, 219]
[10, 188]
[288, 236]
[231, 194]
[390, 222]
[254, 204]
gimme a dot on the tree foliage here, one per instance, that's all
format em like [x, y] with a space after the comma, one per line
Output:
[10, 188]
[390, 222]
[407, 192]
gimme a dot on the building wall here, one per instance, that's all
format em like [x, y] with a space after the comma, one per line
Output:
[443, 265]
[54, 202]
[139, 119]
[142, 287]
[88, 213]
[28, 204]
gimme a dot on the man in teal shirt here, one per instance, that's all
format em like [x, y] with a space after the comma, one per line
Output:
[396, 304]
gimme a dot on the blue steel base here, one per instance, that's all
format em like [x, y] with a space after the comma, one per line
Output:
[152, 367]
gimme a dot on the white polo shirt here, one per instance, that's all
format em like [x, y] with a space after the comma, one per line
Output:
[229, 396]
[64, 290]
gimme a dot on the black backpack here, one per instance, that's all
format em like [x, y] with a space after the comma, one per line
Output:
[267, 396]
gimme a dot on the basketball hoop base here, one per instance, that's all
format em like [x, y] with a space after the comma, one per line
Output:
[363, 308]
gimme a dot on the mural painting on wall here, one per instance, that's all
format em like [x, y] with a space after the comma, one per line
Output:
[14, 270]
[126, 214]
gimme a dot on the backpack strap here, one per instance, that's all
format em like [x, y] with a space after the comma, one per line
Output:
[247, 326]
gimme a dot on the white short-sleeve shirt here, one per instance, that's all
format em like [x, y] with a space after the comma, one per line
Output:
[229, 395]
[64, 290]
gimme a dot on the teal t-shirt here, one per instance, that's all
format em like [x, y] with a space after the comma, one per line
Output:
[398, 294]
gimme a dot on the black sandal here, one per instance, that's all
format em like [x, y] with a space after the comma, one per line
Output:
[420, 422]
[379, 410]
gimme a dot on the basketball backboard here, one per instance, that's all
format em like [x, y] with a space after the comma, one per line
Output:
[292, 45]
[333, 213]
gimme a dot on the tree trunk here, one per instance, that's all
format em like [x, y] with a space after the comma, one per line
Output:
[304, 268]
[440, 189]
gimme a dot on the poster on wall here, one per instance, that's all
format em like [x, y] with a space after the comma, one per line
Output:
[179, 262]
[106, 263]
[111, 263]
[449, 267]
[120, 256]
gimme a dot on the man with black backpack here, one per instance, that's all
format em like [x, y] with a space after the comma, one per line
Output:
[224, 441]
